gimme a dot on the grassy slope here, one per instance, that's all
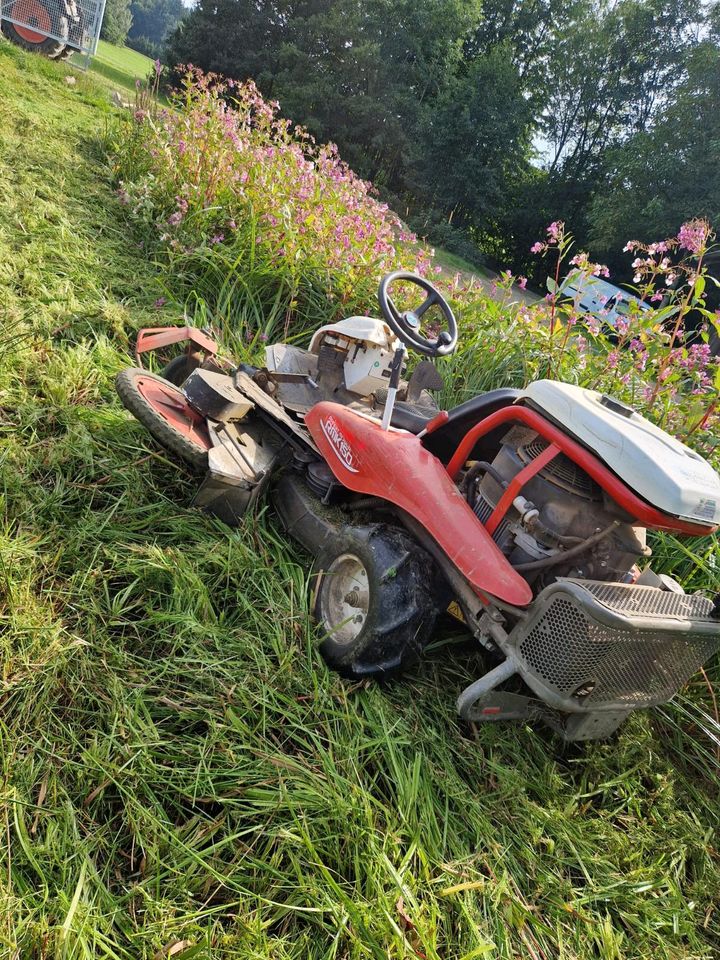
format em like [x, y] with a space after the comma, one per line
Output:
[120, 66]
[177, 763]
[452, 263]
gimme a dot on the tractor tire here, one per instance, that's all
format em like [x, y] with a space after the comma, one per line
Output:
[162, 409]
[39, 20]
[374, 600]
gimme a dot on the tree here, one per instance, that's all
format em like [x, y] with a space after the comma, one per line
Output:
[353, 72]
[497, 117]
[669, 173]
[152, 22]
[475, 141]
[116, 21]
[238, 38]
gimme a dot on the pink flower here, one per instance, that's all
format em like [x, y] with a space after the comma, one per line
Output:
[218, 238]
[554, 229]
[693, 235]
[160, 302]
[174, 218]
[158, 68]
[522, 282]
[537, 247]
[612, 359]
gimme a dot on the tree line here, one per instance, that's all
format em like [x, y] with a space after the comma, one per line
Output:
[480, 122]
[144, 25]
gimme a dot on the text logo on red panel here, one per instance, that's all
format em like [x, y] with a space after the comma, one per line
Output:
[340, 445]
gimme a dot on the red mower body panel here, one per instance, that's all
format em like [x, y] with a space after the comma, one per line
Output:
[395, 466]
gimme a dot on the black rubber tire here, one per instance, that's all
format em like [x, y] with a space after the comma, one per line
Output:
[165, 433]
[179, 369]
[49, 47]
[402, 605]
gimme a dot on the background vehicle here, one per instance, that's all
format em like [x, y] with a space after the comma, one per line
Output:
[601, 299]
[528, 508]
[53, 28]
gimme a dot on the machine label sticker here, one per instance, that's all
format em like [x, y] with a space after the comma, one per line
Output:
[706, 509]
[341, 448]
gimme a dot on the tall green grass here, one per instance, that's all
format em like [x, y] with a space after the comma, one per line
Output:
[181, 775]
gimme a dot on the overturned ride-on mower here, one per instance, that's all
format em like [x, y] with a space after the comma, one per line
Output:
[525, 509]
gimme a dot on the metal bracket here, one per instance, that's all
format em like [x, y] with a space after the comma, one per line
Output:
[152, 338]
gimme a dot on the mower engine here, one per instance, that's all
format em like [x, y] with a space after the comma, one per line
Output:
[561, 508]
[600, 638]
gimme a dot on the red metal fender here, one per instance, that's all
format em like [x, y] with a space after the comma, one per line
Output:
[394, 465]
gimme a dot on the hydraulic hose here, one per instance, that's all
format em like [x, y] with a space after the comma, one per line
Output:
[475, 470]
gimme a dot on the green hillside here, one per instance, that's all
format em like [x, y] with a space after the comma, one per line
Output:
[181, 775]
[120, 65]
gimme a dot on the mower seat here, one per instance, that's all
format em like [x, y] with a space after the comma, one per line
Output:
[406, 416]
[444, 441]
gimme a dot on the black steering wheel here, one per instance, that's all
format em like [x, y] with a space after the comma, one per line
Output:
[407, 325]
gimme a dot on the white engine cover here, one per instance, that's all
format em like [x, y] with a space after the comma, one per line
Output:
[370, 344]
[663, 471]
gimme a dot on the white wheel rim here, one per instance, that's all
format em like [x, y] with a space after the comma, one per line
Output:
[344, 598]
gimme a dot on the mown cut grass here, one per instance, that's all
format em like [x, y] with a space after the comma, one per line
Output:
[178, 766]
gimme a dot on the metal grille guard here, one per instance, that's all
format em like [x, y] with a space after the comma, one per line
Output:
[590, 646]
